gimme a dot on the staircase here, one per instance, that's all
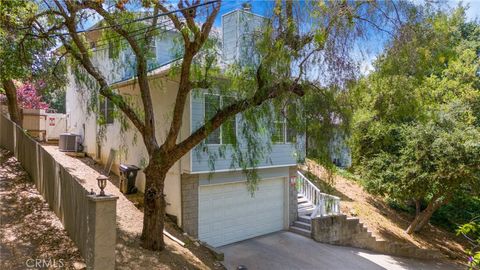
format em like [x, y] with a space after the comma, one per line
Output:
[311, 203]
[334, 228]
[303, 225]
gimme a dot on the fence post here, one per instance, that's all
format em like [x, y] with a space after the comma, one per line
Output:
[102, 232]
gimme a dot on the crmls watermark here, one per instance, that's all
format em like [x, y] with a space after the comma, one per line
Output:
[45, 263]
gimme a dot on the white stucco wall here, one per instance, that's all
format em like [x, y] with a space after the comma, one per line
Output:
[129, 143]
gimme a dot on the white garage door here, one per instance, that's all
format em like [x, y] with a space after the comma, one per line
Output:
[228, 213]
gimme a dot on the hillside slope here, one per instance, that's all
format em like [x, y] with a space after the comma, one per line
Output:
[384, 222]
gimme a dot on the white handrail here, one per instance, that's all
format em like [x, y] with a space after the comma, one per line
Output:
[325, 204]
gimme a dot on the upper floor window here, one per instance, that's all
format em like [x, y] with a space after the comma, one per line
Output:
[227, 133]
[282, 132]
[106, 110]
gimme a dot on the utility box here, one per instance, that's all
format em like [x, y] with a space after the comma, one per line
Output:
[56, 124]
[128, 175]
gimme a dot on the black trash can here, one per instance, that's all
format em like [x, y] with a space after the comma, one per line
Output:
[128, 175]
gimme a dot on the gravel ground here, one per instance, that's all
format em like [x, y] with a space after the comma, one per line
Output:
[129, 226]
[31, 235]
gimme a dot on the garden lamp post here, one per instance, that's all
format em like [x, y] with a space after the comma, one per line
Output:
[102, 183]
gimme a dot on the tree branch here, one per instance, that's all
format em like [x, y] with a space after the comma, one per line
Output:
[185, 85]
[82, 56]
[142, 74]
[176, 22]
[220, 117]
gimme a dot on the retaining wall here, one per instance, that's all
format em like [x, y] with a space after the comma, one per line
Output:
[340, 230]
[78, 211]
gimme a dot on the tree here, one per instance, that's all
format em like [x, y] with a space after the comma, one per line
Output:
[28, 98]
[24, 57]
[415, 129]
[283, 53]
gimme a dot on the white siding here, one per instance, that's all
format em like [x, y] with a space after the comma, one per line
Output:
[280, 155]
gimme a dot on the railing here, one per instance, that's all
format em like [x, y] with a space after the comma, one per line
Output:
[325, 204]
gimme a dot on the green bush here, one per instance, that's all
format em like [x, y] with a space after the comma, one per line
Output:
[460, 210]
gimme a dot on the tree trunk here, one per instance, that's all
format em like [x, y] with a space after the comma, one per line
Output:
[418, 208]
[11, 93]
[423, 217]
[154, 205]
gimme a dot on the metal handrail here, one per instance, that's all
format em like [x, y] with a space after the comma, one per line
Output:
[325, 204]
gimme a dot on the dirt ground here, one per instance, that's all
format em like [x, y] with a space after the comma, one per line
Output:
[136, 199]
[130, 255]
[30, 233]
[387, 223]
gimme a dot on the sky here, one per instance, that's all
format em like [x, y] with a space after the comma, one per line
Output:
[369, 48]
[261, 7]
[474, 10]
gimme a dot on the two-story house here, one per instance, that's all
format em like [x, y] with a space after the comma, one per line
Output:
[212, 205]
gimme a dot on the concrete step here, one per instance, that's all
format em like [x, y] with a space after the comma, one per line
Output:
[305, 207]
[305, 219]
[305, 212]
[302, 200]
[303, 225]
[304, 203]
[354, 219]
[301, 231]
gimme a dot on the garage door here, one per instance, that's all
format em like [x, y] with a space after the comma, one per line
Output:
[228, 213]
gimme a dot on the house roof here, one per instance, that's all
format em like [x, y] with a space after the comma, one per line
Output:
[161, 69]
[157, 71]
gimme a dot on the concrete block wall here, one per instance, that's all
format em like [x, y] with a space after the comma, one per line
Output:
[89, 220]
[189, 193]
[102, 234]
[340, 230]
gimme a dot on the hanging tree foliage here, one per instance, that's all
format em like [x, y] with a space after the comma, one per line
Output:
[297, 38]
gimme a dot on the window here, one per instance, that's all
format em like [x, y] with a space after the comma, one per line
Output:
[226, 134]
[281, 132]
[106, 110]
[229, 127]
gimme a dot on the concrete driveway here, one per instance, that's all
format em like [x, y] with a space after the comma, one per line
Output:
[286, 250]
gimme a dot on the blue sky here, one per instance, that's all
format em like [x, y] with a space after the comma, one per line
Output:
[370, 48]
[473, 12]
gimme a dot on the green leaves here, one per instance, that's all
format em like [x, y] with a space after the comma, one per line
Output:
[415, 132]
[471, 231]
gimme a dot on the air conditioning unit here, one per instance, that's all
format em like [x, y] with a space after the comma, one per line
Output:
[69, 142]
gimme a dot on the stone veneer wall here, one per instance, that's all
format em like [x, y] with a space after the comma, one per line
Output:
[189, 193]
[293, 202]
